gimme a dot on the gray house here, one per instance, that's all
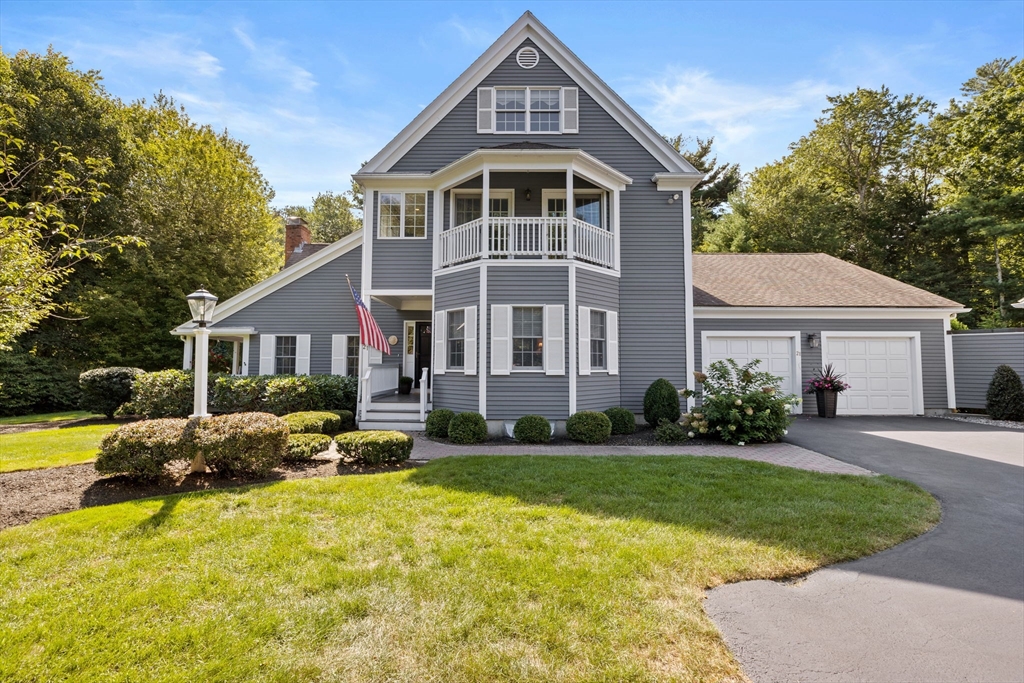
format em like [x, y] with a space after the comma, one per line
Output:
[526, 247]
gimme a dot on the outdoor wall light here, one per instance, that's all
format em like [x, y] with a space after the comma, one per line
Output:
[528, 194]
[813, 339]
[673, 198]
[201, 303]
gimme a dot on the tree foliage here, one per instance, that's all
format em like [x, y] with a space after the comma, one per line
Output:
[330, 216]
[712, 193]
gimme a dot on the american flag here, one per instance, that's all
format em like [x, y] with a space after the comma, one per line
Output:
[369, 330]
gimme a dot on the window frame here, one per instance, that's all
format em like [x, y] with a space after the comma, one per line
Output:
[448, 339]
[527, 89]
[402, 214]
[526, 369]
[493, 193]
[278, 338]
[602, 196]
[352, 369]
[603, 367]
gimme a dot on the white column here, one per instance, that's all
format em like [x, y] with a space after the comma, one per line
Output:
[236, 368]
[201, 364]
[485, 211]
[688, 294]
[186, 362]
[570, 211]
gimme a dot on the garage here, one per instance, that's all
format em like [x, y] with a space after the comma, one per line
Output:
[776, 351]
[882, 371]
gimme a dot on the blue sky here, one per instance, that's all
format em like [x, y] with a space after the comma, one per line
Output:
[316, 88]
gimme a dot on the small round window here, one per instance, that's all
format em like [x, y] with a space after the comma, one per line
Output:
[527, 57]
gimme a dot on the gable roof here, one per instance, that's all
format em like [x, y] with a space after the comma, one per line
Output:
[528, 26]
[801, 280]
[303, 250]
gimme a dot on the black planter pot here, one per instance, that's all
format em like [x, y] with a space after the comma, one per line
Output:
[405, 387]
[826, 403]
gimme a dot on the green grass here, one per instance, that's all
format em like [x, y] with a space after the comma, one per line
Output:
[468, 569]
[51, 447]
[48, 417]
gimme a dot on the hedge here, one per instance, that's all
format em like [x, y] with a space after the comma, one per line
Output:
[1005, 397]
[305, 446]
[104, 390]
[437, 423]
[588, 427]
[374, 447]
[532, 429]
[167, 393]
[141, 449]
[313, 422]
[623, 420]
[467, 428]
[31, 384]
[242, 443]
[661, 402]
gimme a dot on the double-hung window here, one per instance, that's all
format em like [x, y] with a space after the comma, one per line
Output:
[284, 355]
[527, 110]
[510, 110]
[544, 111]
[352, 352]
[457, 339]
[598, 339]
[402, 214]
[527, 337]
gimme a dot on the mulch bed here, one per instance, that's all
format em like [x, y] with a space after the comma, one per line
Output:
[34, 494]
[643, 436]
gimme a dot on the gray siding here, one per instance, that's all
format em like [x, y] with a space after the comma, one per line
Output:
[512, 396]
[933, 349]
[318, 304]
[454, 390]
[976, 355]
[402, 263]
[651, 289]
[599, 390]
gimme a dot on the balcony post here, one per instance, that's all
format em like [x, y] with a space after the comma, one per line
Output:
[570, 211]
[485, 211]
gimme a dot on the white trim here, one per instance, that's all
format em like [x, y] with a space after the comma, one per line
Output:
[691, 383]
[339, 354]
[554, 339]
[915, 350]
[401, 214]
[469, 340]
[947, 342]
[482, 343]
[409, 359]
[440, 338]
[748, 312]
[676, 182]
[528, 129]
[529, 263]
[981, 333]
[583, 339]
[302, 354]
[245, 356]
[400, 292]
[573, 328]
[186, 361]
[611, 342]
[796, 356]
[268, 350]
[528, 27]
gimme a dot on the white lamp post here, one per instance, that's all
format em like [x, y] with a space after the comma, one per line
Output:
[201, 303]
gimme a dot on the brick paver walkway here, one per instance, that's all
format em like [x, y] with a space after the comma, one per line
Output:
[785, 454]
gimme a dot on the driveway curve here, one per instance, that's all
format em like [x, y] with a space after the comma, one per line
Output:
[947, 606]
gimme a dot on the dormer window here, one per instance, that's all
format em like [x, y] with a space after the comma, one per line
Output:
[527, 110]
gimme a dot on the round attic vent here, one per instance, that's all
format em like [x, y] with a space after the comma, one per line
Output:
[527, 57]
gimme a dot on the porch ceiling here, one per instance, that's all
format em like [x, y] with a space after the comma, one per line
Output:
[406, 302]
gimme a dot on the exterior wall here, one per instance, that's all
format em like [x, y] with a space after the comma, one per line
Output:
[599, 390]
[454, 390]
[933, 350]
[521, 393]
[976, 355]
[651, 291]
[402, 263]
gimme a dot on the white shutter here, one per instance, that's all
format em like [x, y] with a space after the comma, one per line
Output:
[469, 366]
[554, 340]
[439, 332]
[268, 345]
[302, 354]
[501, 339]
[612, 345]
[584, 337]
[570, 110]
[376, 356]
[485, 110]
[339, 354]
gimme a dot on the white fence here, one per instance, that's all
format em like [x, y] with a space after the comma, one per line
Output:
[531, 238]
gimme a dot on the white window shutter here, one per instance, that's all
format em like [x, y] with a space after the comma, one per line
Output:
[584, 337]
[268, 346]
[612, 345]
[570, 110]
[439, 332]
[554, 340]
[501, 339]
[302, 354]
[339, 354]
[376, 356]
[485, 110]
[469, 366]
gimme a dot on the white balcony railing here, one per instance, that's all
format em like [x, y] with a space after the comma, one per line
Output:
[527, 238]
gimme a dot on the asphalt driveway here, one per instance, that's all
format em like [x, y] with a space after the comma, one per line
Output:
[947, 606]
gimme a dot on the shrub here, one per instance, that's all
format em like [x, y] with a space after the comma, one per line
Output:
[313, 422]
[375, 447]
[1005, 397]
[589, 426]
[242, 443]
[167, 393]
[661, 402]
[30, 384]
[740, 405]
[104, 390]
[467, 428]
[141, 449]
[346, 419]
[623, 420]
[305, 446]
[437, 423]
[234, 394]
[532, 429]
[285, 394]
[670, 432]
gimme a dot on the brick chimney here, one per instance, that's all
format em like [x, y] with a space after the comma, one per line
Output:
[296, 233]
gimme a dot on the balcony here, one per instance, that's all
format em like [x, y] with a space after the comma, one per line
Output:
[526, 238]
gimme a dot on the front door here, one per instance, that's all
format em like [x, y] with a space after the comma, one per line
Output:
[423, 348]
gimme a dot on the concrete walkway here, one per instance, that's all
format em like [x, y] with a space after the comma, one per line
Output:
[784, 454]
[946, 606]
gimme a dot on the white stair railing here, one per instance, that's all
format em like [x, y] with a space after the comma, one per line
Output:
[424, 378]
[364, 393]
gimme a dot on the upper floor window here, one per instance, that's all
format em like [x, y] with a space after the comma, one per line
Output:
[402, 214]
[284, 355]
[527, 110]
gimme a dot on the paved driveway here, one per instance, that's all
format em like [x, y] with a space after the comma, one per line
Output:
[947, 606]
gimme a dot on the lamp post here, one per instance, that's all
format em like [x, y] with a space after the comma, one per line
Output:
[201, 303]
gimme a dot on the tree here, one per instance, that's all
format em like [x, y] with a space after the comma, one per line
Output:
[331, 217]
[711, 194]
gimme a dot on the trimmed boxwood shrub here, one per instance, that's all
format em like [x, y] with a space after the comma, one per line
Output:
[1005, 397]
[661, 402]
[670, 432]
[623, 420]
[242, 443]
[588, 426]
[467, 428]
[141, 449]
[374, 447]
[532, 429]
[234, 394]
[104, 390]
[305, 446]
[167, 393]
[437, 423]
[346, 418]
[313, 422]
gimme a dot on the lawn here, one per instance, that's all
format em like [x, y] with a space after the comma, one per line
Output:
[51, 447]
[48, 417]
[467, 569]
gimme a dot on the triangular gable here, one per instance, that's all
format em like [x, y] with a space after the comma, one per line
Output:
[529, 27]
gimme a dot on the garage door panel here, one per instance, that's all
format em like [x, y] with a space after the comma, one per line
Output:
[858, 365]
[718, 347]
[759, 348]
[781, 346]
[775, 354]
[856, 347]
[877, 366]
[879, 371]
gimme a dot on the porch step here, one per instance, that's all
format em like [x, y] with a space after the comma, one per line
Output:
[401, 425]
[395, 407]
[394, 415]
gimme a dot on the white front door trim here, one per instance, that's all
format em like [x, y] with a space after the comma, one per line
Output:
[795, 356]
[917, 377]
[409, 352]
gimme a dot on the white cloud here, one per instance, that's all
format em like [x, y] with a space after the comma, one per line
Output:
[472, 35]
[164, 53]
[269, 59]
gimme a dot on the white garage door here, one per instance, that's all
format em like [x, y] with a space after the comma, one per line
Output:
[775, 353]
[879, 370]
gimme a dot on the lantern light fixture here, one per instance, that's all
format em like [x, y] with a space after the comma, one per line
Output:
[201, 303]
